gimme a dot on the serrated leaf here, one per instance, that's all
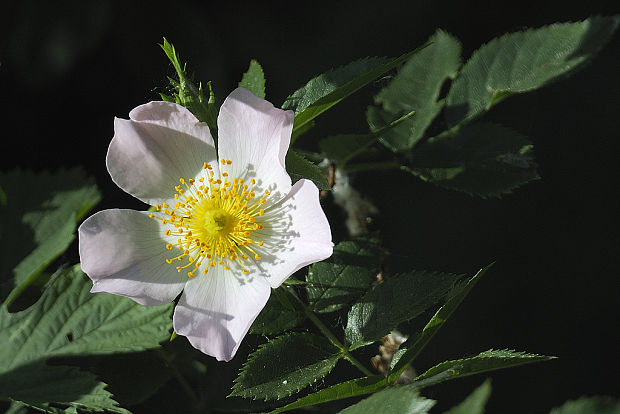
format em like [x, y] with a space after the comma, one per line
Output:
[38, 222]
[398, 299]
[352, 388]
[394, 400]
[285, 365]
[327, 89]
[343, 277]
[254, 79]
[475, 402]
[68, 321]
[416, 87]
[483, 159]
[275, 318]
[484, 362]
[524, 61]
[436, 322]
[589, 405]
[193, 97]
[298, 167]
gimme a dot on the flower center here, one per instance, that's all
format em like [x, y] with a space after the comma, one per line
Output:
[213, 222]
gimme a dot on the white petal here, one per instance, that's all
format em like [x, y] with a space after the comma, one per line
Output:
[296, 234]
[217, 309]
[123, 252]
[160, 144]
[255, 136]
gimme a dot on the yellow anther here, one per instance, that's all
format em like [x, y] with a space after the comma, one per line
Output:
[267, 192]
[245, 271]
[190, 274]
[169, 261]
[168, 232]
[228, 162]
[257, 257]
[205, 165]
[152, 215]
[261, 243]
[223, 161]
[191, 181]
[253, 181]
[261, 212]
[262, 201]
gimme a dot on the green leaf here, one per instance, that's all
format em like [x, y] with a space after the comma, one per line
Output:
[285, 365]
[327, 89]
[342, 148]
[524, 61]
[436, 322]
[484, 159]
[484, 362]
[344, 276]
[352, 388]
[69, 321]
[475, 402]
[38, 222]
[589, 405]
[254, 79]
[298, 167]
[275, 318]
[393, 400]
[202, 105]
[416, 87]
[398, 299]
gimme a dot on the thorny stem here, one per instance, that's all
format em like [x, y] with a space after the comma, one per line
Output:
[328, 334]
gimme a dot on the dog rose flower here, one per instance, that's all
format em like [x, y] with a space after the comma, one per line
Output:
[229, 225]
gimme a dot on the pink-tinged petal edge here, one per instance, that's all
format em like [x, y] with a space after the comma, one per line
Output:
[255, 136]
[161, 143]
[217, 309]
[311, 239]
[123, 252]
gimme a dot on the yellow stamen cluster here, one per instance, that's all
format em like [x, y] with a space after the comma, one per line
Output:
[214, 221]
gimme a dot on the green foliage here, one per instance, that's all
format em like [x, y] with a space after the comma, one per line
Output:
[416, 87]
[436, 322]
[254, 79]
[395, 400]
[475, 402]
[347, 389]
[38, 222]
[483, 159]
[398, 299]
[589, 405]
[343, 277]
[285, 365]
[484, 362]
[524, 61]
[327, 89]
[69, 321]
[298, 167]
[202, 105]
[275, 318]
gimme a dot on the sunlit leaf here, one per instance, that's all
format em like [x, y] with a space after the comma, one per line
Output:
[398, 299]
[68, 320]
[475, 402]
[38, 222]
[394, 400]
[345, 276]
[285, 365]
[416, 87]
[254, 79]
[352, 388]
[484, 362]
[436, 322]
[524, 61]
[298, 167]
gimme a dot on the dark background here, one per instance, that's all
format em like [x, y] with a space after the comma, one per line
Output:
[68, 67]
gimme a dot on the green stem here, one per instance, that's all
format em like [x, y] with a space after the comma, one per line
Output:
[328, 334]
